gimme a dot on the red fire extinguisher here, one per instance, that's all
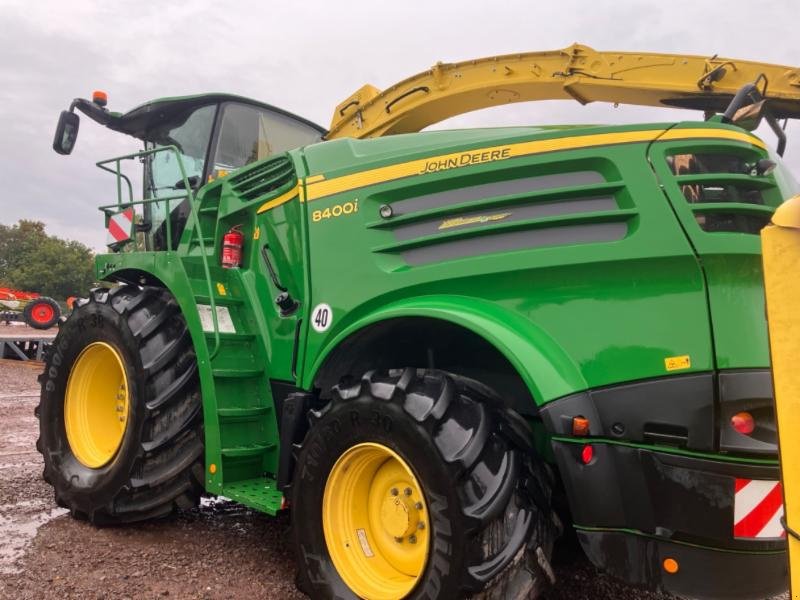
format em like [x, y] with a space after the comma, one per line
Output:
[232, 248]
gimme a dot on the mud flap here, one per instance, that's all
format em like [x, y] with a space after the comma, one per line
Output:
[781, 255]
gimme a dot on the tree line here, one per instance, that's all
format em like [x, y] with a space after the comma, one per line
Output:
[33, 261]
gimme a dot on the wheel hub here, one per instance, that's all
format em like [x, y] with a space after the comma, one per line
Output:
[42, 313]
[399, 517]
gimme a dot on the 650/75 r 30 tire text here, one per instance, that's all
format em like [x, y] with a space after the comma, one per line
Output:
[120, 415]
[419, 484]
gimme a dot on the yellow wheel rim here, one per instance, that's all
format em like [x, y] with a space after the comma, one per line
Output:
[96, 405]
[375, 521]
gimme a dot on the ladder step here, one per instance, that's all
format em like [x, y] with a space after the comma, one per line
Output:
[237, 373]
[232, 337]
[208, 209]
[260, 493]
[221, 300]
[251, 450]
[206, 241]
[236, 414]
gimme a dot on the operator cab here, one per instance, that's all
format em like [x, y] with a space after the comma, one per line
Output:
[215, 134]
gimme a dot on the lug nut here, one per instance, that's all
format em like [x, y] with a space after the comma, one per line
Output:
[420, 525]
[399, 540]
[394, 492]
[121, 419]
[418, 505]
[412, 539]
[407, 491]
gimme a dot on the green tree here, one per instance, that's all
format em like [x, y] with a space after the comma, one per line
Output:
[33, 261]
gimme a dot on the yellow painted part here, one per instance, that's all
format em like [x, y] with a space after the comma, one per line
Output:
[788, 213]
[96, 405]
[314, 178]
[676, 363]
[327, 187]
[574, 73]
[282, 199]
[781, 256]
[371, 508]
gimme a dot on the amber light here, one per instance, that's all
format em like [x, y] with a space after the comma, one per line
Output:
[99, 97]
[580, 426]
[587, 454]
[670, 565]
[743, 422]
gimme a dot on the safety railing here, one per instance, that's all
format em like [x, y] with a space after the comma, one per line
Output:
[120, 205]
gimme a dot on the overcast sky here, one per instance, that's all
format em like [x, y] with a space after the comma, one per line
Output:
[306, 57]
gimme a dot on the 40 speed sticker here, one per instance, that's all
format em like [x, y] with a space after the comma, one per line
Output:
[321, 317]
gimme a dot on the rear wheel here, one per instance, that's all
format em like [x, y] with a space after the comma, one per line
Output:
[120, 411]
[41, 313]
[419, 484]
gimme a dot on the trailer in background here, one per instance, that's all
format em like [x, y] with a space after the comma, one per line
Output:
[40, 312]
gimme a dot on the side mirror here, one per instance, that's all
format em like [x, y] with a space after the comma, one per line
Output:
[66, 132]
[749, 117]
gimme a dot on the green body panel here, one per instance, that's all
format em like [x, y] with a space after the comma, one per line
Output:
[593, 311]
[597, 293]
[731, 261]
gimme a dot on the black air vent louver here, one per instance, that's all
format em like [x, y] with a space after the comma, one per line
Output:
[265, 178]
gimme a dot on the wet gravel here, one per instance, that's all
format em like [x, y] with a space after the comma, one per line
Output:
[219, 550]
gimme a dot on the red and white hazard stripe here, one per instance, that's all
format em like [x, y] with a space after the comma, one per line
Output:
[758, 509]
[119, 227]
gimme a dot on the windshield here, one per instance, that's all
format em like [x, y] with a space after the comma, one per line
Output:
[251, 133]
[163, 177]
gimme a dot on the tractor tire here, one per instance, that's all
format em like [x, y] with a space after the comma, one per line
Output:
[427, 473]
[41, 313]
[120, 415]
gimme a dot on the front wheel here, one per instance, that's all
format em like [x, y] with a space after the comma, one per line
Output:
[120, 414]
[418, 484]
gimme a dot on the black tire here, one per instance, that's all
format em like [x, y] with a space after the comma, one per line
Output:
[159, 465]
[492, 526]
[41, 313]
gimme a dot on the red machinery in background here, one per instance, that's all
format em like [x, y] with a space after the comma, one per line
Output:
[40, 312]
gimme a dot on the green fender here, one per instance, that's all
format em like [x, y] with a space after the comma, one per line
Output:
[547, 370]
[170, 272]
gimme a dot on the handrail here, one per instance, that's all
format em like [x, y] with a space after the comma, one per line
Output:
[577, 72]
[193, 212]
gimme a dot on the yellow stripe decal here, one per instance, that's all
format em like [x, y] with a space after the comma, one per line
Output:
[321, 188]
[282, 199]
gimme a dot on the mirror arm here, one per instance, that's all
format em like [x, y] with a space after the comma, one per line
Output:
[750, 94]
[778, 130]
[747, 94]
[92, 110]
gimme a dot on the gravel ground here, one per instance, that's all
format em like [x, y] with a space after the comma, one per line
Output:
[220, 550]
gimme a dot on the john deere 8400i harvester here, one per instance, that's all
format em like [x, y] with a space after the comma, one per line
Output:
[418, 343]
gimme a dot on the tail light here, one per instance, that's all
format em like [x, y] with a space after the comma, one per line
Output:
[743, 422]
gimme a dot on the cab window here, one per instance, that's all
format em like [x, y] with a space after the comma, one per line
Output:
[190, 134]
[249, 133]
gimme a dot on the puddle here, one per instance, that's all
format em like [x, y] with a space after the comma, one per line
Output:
[18, 525]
